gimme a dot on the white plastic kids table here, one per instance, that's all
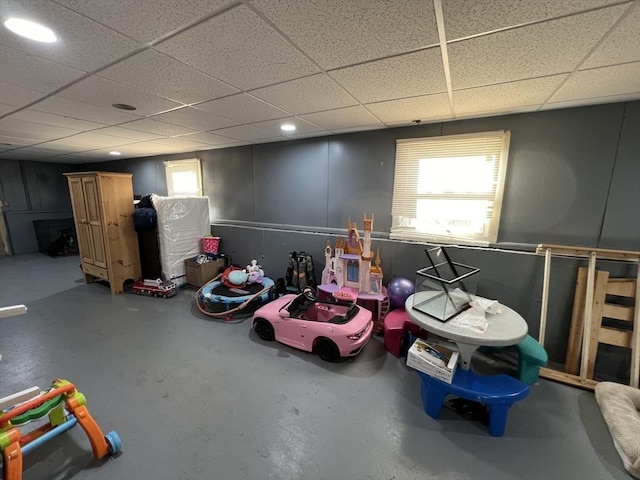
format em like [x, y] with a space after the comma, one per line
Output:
[505, 329]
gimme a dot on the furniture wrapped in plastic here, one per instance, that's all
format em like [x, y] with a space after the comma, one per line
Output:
[182, 222]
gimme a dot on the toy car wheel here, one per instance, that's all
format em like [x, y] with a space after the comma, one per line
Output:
[264, 329]
[327, 350]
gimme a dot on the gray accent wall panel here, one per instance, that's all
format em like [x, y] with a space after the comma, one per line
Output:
[291, 182]
[621, 229]
[13, 188]
[560, 163]
[35, 191]
[48, 188]
[227, 179]
[148, 173]
[361, 178]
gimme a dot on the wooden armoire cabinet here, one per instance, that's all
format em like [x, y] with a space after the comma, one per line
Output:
[103, 213]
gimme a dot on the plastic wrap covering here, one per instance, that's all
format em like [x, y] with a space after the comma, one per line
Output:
[182, 222]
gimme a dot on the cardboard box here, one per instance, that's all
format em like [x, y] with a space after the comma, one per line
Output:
[434, 360]
[199, 274]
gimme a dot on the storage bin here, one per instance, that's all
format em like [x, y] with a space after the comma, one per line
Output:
[200, 273]
[210, 244]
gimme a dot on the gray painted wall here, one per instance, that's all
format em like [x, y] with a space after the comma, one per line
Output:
[35, 191]
[573, 179]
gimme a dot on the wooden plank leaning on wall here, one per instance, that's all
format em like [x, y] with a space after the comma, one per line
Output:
[584, 334]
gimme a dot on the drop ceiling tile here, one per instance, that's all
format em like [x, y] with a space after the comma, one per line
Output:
[622, 46]
[145, 20]
[79, 158]
[463, 18]
[91, 141]
[601, 82]
[83, 111]
[29, 71]
[243, 132]
[104, 93]
[84, 44]
[156, 73]
[195, 119]
[406, 110]
[24, 154]
[342, 118]
[180, 144]
[207, 138]
[411, 75]
[243, 108]
[362, 128]
[306, 95]
[548, 48]
[5, 108]
[627, 97]
[248, 53]
[272, 127]
[9, 141]
[499, 111]
[17, 95]
[160, 128]
[128, 133]
[140, 149]
[35, 116]
[29, 130]
[507, 96]
[336, 33]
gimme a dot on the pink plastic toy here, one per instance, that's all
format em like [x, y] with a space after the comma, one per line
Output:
[332, 330]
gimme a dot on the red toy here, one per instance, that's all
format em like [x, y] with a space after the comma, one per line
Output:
[155, 288]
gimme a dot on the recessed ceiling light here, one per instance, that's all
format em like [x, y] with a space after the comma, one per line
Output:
[123, 106]
[31, 30]
[288, 127]
[115, 152]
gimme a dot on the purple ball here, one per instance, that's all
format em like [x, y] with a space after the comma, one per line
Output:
[398, 291]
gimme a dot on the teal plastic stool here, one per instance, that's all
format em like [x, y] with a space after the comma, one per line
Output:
[531, 356]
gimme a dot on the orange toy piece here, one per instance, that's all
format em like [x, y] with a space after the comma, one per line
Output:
[65, 406]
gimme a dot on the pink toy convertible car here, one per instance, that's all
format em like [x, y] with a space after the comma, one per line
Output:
[332, 330]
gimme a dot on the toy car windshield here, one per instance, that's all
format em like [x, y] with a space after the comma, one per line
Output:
[318, 311]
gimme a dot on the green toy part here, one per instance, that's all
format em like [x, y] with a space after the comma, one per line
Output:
[37, 412]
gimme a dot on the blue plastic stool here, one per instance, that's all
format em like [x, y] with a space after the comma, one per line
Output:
[497, 392]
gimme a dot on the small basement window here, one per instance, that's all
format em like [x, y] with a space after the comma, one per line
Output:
[183, 177]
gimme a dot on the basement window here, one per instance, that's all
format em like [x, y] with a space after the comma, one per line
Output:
[183, 178]
[449, 189]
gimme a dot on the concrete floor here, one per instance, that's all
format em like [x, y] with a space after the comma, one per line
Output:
[195, 398]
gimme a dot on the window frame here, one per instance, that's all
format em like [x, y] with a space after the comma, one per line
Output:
[408, 157]
[188, 165]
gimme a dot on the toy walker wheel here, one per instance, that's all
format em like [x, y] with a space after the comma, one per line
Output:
[113, 440]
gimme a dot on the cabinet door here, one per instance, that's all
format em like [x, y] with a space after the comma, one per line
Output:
[94, 220]
[82, 224]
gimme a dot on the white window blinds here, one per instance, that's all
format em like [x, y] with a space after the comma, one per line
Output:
[449, 188]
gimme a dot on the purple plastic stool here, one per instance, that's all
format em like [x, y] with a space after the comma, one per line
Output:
[497, 392]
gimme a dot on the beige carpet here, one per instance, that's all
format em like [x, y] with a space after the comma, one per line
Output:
[620, 406]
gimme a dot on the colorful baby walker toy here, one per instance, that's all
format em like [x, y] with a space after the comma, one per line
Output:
[65, 407]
